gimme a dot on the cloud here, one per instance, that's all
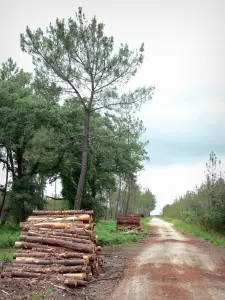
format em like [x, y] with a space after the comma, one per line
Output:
[169, 182]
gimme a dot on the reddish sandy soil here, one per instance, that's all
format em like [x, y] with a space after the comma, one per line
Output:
[173, 265]
[168, 265]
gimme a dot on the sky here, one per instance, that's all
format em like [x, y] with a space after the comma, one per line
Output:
[184, 60]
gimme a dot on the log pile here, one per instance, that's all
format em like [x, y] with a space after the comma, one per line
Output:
[129, 221]
[61, 245]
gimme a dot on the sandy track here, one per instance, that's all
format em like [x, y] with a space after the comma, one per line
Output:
[172, 266]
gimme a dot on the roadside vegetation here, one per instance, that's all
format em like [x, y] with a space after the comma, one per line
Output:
[202, 211]
[106, 231]
[213, 237]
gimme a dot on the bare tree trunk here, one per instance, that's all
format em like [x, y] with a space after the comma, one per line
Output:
[118, 198]
[80, 187]
[6, 184]
[128, 198]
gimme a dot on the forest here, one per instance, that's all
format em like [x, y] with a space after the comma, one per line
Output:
[205, 205]
[74, 119]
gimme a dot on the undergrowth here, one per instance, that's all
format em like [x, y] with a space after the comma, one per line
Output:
[106, 231]
[9, 234]
[107, 234]
[212, 237]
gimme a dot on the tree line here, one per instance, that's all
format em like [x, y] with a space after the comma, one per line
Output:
[71, 119]
[205, 205]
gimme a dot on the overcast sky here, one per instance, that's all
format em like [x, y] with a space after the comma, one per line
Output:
[184, 60]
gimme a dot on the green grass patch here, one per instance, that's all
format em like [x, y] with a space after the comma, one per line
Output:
[145, 224]
[41, 294]
[9, 234]
[212, 237]
[107, 234]
[8, 255]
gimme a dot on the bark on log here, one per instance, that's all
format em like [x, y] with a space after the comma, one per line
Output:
[78, 276]
[24, 235]
[60, 219]
[55, 233]
[35, 261]
[22, 274]
[50, 270]
[62, 212]
[74, 282]
[78, 231]
[45, 255]
[58, 242]
[28, 225]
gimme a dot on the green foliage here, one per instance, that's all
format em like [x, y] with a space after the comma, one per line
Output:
[205, 206]
[41, 294]
[76, 57]
[107, 234]
[7, 255]
[79, 77]
[212, 237]
[9, 235]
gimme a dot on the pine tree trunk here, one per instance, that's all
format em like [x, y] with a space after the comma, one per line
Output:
[80, 187]
[5, 189]
[128, 199]
[118, 198]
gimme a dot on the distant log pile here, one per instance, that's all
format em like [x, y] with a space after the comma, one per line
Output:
[129, 221]
[61, 245]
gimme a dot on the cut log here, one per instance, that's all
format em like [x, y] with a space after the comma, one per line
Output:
[78, 231]
[79, 276]
[70, 225]
[55, 233]
[22, 274]
[60, 219]
[74, 282]
[62, 212]
[55, 255]
[24, 235]
[50, 270]
[35, 261]
[58, 242]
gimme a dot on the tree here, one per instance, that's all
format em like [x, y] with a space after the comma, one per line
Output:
[28, 132]
[80, 59]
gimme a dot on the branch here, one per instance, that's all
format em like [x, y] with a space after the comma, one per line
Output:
[7, 164]
[34, 169]
[55, 198]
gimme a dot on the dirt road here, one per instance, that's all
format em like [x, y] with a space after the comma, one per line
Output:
[173, 266]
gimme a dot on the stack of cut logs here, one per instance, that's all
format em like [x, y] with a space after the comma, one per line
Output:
[129, 221]
[61, 245]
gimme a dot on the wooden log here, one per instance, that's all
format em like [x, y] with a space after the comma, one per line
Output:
[49, 270]
[74, 282]
[55, 233]
[35, 261]
[78, 231]
[22, 274]
[60, 219]
[28, 225]
[62, 212]
[23, 237]
[5, 274]
[26, 245]
[87, 248]
[79, 276]
[55, 255]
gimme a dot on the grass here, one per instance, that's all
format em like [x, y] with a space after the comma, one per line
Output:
[7, 255]
[41, 294]
[9, 235]
[212, 237]
[106, 231]
[107, 234]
